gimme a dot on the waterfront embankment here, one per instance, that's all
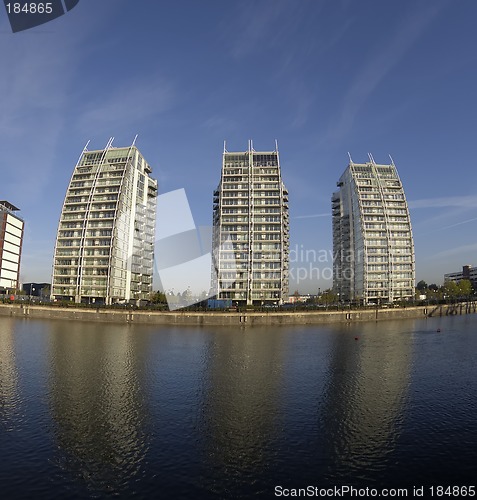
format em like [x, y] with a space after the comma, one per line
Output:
[219, 318]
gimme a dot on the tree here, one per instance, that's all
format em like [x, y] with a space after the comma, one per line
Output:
[434, 292]
[422, 286]
[464, 288]
[328, 297]
[158, 298]
[450, 289]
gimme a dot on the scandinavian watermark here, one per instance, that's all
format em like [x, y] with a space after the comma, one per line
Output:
[309, 264]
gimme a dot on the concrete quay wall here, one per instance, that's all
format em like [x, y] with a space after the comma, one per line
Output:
[220, 318]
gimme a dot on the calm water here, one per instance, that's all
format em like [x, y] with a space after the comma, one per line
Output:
[93, 410]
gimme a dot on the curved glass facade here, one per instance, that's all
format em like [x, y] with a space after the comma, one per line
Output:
[372, 236]
[104, 250]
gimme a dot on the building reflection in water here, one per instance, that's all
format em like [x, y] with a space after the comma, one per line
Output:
[9, 393]
[298, 405]
[365, 399]
[97, 402]
[223, 412]
[239, 421]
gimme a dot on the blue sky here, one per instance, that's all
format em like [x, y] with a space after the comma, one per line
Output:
[321, 77]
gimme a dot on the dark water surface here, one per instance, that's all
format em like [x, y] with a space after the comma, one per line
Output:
[98, 410]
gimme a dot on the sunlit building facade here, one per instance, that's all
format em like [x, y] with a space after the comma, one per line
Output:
[104, 250]
[468, 273]
[373, 246]
[11, 240]
[251, 229]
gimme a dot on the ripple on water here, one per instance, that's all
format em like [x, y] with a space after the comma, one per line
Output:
[109, 411]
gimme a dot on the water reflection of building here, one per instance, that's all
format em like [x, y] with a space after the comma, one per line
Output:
[9, 398]
[97, 404]
[365, 398]
[238, 416]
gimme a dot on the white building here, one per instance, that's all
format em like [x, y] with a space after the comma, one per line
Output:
[11, 239]
[372, 236]
[104, 250]
[251, 229]
[468, 273]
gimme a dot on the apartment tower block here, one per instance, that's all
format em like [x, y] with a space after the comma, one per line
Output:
[372, 237]
[104, 250]
[11, 240]
[251, 229]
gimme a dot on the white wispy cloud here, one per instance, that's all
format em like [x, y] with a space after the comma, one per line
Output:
[129, 103]
[376, 69]
[312, 216]
[447, 212]
[468, 201]
[34, 87]
[460, 250]
[220, 124]
[302, 98]
[460, 223]
[263, 27]
[440, 228]
[39, 70]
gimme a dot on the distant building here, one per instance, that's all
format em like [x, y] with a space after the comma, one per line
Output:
[11, 239]
[372, 236]
[468, 273]
[104, 249]
[37, 289]
[297, 299]
[251, 229]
